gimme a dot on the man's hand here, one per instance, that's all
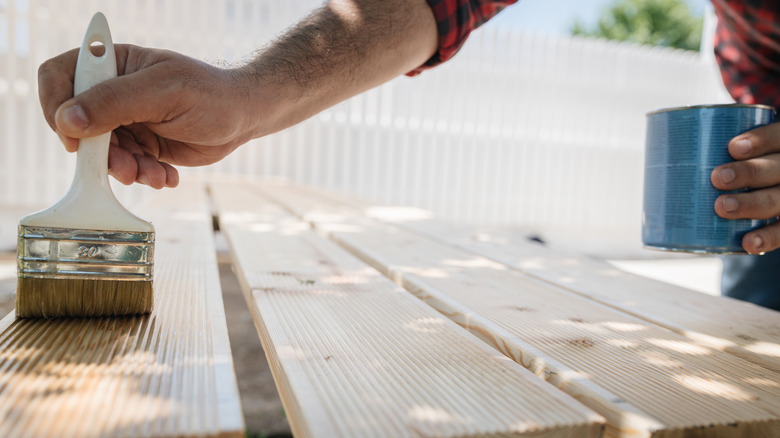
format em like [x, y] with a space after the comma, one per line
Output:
[165, 109]
[757, 167]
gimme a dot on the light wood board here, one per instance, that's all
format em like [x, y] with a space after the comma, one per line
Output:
[166, 374]
[651, 381]
[737, 327]
[355, 355]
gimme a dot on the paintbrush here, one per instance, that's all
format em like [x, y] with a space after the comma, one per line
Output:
[86, 255]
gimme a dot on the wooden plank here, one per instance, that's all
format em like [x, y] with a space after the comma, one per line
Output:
[737, 327]
[166, 374]
[653, 382]
[352, 354]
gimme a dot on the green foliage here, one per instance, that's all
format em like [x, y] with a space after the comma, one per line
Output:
[667, 23]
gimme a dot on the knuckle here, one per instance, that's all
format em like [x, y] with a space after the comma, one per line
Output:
[766, 198]
[44, 68]
[771, 202]
[760, 204]
[770, 239]
[749, 173]
[105, 95]
[58, 63]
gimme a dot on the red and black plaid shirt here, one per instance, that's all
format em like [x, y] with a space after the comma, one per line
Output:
[455, 19]
[747, 42]
[747, 47]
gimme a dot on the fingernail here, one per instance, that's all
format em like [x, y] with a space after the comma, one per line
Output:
[727, 175]
[143, 179]
[730, 204]
[743, 146]
[75, 117]
[757, 242]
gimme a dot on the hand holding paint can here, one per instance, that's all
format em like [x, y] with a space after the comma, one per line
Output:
[682, 147]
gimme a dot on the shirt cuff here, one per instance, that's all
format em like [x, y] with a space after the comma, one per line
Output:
[455, 20]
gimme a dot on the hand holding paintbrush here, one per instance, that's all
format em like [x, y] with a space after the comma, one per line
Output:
[86, 255]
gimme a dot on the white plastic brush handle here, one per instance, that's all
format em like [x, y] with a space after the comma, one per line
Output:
[90, 203]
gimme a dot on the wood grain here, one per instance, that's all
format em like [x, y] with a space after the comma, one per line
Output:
[644, 379]
[737, 327]
[166, 374]
[354, 355]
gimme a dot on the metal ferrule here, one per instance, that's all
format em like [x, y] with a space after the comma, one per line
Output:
[87, 254]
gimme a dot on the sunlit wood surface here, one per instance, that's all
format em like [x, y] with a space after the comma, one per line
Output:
[645, 379]
[740, 328]
[355, 355]
[563, 344]
[165, 374]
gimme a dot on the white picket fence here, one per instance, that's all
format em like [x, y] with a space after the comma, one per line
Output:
[519, 129]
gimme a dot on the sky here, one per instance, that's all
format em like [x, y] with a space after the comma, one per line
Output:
[556, 16]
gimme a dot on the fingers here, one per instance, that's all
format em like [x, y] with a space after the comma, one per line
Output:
[171, 175]
[149, 86]
[129, 160]
[758, 204]
[71, 144]
[155, 95]
[55, 86]
[112, 103]
[122, 165]
[756, 142]
[150, 172]
[55, 83]
[763, 171]
[757, 167]
[128, 168]
[758, 160]
[762, 240]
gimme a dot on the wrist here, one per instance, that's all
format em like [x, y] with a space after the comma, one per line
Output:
[264, 99]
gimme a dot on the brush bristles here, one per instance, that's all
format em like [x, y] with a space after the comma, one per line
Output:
[55, 298]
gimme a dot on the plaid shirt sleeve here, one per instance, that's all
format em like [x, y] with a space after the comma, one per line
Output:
[747, 48]
[455, 19]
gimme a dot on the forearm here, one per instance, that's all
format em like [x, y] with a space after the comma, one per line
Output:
[167, 109]
[342, 49]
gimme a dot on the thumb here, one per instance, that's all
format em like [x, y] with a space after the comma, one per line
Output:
[119, 101]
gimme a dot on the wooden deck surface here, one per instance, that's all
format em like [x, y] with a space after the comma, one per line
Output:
[644, 378]
[380, 324]
[355, 355]
[737, 327]
[168, 374]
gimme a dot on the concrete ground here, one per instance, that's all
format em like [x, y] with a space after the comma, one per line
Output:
[699, 273]
[262, 408]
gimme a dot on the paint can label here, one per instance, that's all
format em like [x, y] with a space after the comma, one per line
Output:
[682, 147]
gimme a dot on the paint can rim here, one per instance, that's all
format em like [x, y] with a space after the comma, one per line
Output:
[720, 105]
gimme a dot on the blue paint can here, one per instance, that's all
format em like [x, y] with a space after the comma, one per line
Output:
[682, 147]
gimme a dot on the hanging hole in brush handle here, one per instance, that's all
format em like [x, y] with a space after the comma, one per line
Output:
[97, 48]
[97, 60]
[92, 161]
